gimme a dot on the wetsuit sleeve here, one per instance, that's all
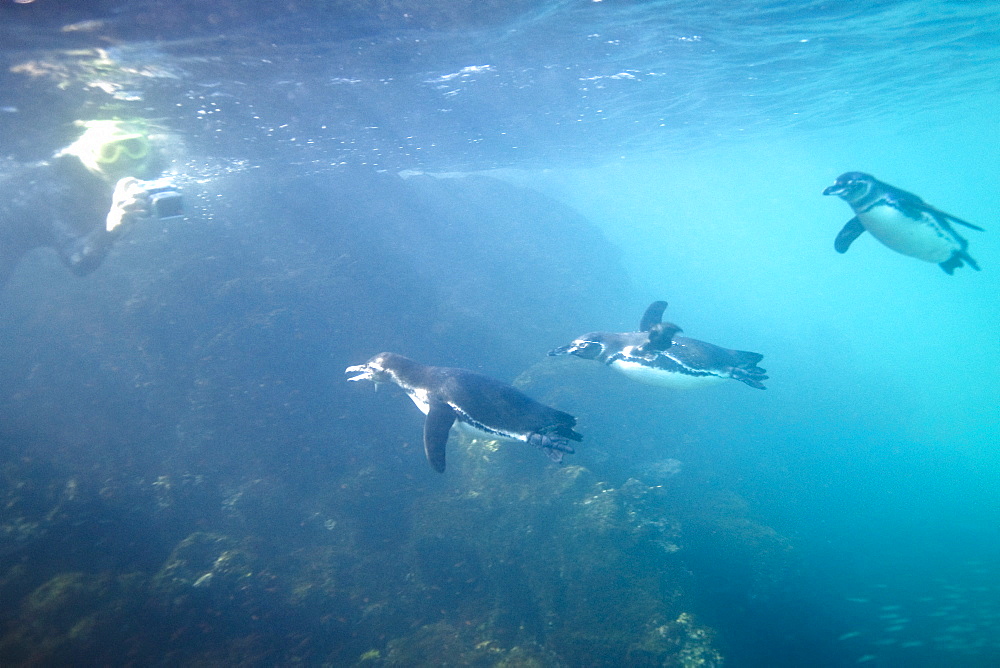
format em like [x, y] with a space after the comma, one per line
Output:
[57, 204]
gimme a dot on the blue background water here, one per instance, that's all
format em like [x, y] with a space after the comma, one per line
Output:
[698, 140]
[880, 454]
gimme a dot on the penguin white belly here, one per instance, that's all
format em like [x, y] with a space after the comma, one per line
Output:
[924, 239]
[672, 379]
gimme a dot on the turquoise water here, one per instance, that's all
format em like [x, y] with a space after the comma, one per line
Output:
[191, 390]
[742, 227]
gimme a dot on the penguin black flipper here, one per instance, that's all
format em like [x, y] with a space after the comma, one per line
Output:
[652, 316]
[661, 337]
[851, 231]
[661, 334]
[440, 417]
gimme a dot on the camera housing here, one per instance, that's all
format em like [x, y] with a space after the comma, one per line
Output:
[165, 201]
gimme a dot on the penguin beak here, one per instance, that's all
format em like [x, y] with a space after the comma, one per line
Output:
[364, 371]
[562, 350]
[836, 189]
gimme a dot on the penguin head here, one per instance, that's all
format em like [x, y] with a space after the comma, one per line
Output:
[379, 369]
[851, 186]
[589, 347]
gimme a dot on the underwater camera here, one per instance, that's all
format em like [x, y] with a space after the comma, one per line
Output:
[165, 201]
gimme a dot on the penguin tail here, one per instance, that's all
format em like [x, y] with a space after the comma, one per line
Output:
[567, 432]
[747, 360]
[954, 219]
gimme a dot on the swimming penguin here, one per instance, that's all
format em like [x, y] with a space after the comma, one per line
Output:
[655, 355]
[447, 395]
[900, 220]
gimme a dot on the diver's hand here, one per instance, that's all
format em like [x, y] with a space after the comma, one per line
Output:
[129, 202]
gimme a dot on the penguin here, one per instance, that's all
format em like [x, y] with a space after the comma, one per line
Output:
[446, 395]
[657, 356]
[900, 220]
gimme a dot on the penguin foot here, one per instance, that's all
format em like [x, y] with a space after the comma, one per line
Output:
[752, 377]
[553, 447]
[958, 259]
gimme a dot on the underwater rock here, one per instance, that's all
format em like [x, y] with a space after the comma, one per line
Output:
[443, 644]
[729, 540]
[59, 602]
[594, 564]
[35, 499]
[206, 561]
[76, 619]
[682, 643]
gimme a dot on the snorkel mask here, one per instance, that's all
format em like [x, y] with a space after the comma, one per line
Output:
[113, 149]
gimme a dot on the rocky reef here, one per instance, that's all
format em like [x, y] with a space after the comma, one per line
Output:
[553, 567]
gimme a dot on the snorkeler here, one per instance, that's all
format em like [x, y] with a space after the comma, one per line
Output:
[82, 199]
